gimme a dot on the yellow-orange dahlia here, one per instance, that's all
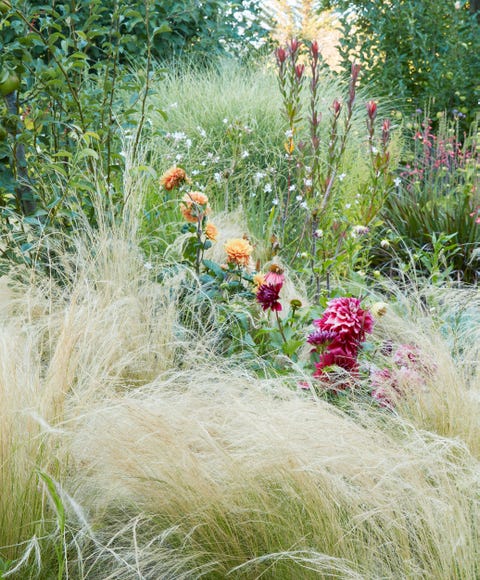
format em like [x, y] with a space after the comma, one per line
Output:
[211, 232]
[238, 251]
[172, 178]
[258, 280]
[194, 206]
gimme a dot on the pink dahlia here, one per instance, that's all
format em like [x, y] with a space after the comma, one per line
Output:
[347, 319]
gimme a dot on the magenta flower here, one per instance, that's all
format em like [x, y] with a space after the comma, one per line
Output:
[321, 337]
[268, 296]
[347, 319]
[274, 278]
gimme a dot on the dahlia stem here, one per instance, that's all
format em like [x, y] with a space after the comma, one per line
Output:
[280, 327]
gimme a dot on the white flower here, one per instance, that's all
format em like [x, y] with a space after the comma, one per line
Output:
[178, 136]
[397, 181]
[318, 233]
[201, 131]
[299, 198]
[245, 154]
[308, 182]
[458, 5]
[358, 231]
[348, 205]
[195, 172]
[275, 201]
[289, 134]
[174, 105]
[217, 177]
[385, 244]
[304, 205]
[293, 187]
[178, 157]
[225, 120]
[259, 176]
[267, 188]
[148, 266]
[374, 150]
[342, 176]
[188, 143]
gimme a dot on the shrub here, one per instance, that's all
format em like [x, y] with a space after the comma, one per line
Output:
[415, 51]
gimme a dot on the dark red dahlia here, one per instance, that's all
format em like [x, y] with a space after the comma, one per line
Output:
[268, 296]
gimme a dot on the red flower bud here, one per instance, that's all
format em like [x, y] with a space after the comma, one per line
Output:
[314, 49]
[372, 109]
[294, 45]
[355, 72]
[299, 71]
[337, 107]
[281, 55]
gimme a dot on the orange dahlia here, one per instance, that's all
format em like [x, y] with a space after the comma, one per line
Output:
[211, 232]
[172, 178]
[238, 251]
[194, 206]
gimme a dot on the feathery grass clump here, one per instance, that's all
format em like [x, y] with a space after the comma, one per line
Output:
[130, 449]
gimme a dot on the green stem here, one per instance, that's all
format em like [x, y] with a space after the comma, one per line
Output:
[280, 327]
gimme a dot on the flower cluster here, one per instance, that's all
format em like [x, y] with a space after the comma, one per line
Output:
[268, 292]
[408, 370]
[194, 207]
[339, 334]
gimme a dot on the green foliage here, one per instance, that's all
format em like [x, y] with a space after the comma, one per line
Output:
[206, 28]
[415, 51]
[432, 214]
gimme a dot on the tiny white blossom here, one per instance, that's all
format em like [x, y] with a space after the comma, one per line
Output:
[178, 157]
[217, 177]
[267, 188]
[174, 105]
[188, 143]
[178, 136]
[275, 201]
[304, 205]
[308, 182]
[245, 154]
[374, 150]
[342, 176]
[195, 172]
[259, 176]
[318, 233]
[397, 181]
[201, 131]
[348, 205]
[299, 198]
[148, 266]
[293, 187]
[225, 120]
[289, 134]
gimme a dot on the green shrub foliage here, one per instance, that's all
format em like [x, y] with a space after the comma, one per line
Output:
[416, 51]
